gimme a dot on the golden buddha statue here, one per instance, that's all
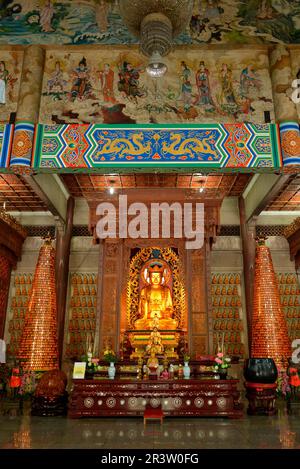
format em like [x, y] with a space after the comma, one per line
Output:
[152, 361]
[155, 303]
[155, 344]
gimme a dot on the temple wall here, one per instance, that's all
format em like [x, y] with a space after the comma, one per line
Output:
[241, 84]
[280, 254]
[84, 255]
[229, 212]
[226, 259]
[81, 320]
[229, 307]
[87, 259]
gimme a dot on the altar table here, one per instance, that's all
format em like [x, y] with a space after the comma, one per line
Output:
[130, 397]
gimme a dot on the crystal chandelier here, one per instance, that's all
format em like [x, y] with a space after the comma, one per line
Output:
[156, 23]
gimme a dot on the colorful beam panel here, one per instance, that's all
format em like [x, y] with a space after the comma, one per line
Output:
[6, 139]
[241, 147]
[86, 148]
[290, 145]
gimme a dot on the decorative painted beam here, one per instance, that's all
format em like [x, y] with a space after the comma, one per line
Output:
[290, 146]
[88, 147]
[6, 139]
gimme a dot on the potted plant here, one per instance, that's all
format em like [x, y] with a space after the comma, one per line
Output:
[222, 363]
[91, 365]
[111, 357]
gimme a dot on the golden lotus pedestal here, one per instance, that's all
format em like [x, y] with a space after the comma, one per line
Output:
[140, 339]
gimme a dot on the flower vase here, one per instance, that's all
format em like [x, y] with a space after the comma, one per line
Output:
[111, 370]
[186, 370]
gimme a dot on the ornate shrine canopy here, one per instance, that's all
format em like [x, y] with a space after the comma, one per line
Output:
[208, 147]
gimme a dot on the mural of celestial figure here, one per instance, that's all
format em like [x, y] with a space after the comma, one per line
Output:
[81, 88]
[212, 10]
[57, 81]
[186, 86]
[102, 15]
[197, 25]
[202, 82]
[265, 10]
[7, 11]
[248, 80]
[46, 15]
[129, 81]
[227, 97]
[107, 84]
[3, 82]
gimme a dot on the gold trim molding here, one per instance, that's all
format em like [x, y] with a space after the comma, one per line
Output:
[12, 223]
[292, 228]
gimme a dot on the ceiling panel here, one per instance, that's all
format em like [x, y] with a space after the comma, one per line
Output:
[288, 198]
[18, 195]
[224, 184]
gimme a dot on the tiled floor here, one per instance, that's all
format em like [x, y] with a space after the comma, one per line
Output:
[281, 431]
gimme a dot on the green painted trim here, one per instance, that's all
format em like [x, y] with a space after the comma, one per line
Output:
[275, 142]
[37, 149]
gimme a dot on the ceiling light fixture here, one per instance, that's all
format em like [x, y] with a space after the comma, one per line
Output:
[111, 190]
[156, 67]
[156, 23]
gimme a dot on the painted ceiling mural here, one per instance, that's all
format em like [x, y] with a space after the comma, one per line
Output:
[10, 74]
[99, 22]
[295, 59]
[111, 86]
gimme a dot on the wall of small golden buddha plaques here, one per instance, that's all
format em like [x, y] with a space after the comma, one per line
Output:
[20, 291]
[81, 327]
[227, 313]
[290, 302]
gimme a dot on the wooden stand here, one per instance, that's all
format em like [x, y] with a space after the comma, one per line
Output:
[153, 414]
[262, 398]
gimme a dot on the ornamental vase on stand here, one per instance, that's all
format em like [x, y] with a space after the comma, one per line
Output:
[111, 370]
[186, 370]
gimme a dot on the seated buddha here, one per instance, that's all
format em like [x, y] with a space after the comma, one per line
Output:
[155, 344]
[152, 361]
[155, 303]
